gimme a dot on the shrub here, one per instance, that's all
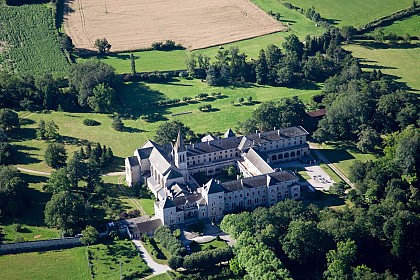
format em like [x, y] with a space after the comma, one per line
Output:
[90, 122]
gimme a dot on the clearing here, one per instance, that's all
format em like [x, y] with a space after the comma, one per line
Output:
[136, 24]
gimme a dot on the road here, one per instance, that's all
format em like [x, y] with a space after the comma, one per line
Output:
[157, 268]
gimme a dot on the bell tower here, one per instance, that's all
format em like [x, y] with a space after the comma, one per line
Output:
[180, 156]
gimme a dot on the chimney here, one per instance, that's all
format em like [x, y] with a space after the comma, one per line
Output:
[274, 128]
[259, 135]
[256, 131]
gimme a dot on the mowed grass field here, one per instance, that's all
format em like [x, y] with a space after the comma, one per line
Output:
[343, 155]
[402, 62]
[410, 25]
[135, 96]
[355, 12]
[69, 264]
[28, 41]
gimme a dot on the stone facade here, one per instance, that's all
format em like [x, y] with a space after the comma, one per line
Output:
[167, 170]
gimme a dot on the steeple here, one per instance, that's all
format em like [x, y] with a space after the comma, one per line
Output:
[229, 133]
[179, 144]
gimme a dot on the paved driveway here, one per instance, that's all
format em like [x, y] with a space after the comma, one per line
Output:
[157, 268]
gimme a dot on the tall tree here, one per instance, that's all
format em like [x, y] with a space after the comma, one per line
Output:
[133, 64]
[102, 99]
[13, 192]
[339, 261]
[168, 132]
[261, 69]
[292, 44]
[8, 119]
[67, 211]
[55, 155]
[58, 182]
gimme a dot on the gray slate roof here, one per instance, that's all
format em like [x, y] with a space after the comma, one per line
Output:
[258, 162]
[259, 181]
[213, 146]
[213, 187]
[133, 161]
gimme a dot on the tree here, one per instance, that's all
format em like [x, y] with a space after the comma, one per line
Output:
[338, 188]
[8, 119]
[168, 132]
[261, 69]
[75, 170]
[117, 123]
[102, 45]
[392, 38]
[378, 34]
[407, 38]
[292, 44]
[55, 155]
[305, 243]
[67, 211]
[368, 140]
[84, 77]
[249, 99]
[348, 32]
[58, 182]
[102, 99]
[92, 175]
[13, 192]
[90, 235]
[231, 171]
[133, 64]
[40, 130]
[51, 130]
[175, 262]
[339, 261]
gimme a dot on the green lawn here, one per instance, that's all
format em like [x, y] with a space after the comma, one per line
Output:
[409, 25]
[135, 95]
[401, 62]
[355, 12]
[32, 220]
[330, 172]
[106, 259]
[54, 265]
[343, 155]
[298, 23]
[197, 247]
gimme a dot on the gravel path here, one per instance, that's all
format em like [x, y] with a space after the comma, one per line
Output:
[157, 268]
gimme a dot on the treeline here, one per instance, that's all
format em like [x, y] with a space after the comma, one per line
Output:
[360, 104]
[90, 85]
[316, 60]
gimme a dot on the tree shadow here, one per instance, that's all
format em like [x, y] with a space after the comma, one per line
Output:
[133, 130]
[305, 86]
[69, 140]
[23, 154]
[381, 45]
[26, 121]
[377, 67]
[137, 99]
[23, 134]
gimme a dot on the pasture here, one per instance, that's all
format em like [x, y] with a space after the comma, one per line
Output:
[28, 41]
[355, 12]
[400, 61]
[409, 25]
[69, 264]
[135, 95]
[133, 24]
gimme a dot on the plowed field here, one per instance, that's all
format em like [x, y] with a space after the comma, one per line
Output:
[136, 24]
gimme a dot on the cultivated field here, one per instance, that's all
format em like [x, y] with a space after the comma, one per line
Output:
[28, 41]
[136, 24]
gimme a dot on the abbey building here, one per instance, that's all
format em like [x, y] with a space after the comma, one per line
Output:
[167, 171]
